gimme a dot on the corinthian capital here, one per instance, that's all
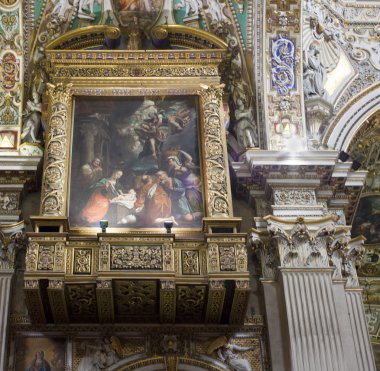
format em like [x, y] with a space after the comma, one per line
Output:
[12, 239]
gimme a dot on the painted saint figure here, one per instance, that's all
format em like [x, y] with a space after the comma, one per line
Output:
[190, 181]
[174, 188]
[104, 191]
[39, 363]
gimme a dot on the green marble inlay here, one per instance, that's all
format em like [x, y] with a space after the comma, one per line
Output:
[240, 8]
[38, 9]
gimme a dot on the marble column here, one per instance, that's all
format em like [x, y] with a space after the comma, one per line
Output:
[314, 308]
[353, 257]
[5, 290]
[11, 240]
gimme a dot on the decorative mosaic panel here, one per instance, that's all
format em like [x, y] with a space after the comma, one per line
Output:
[282, 64]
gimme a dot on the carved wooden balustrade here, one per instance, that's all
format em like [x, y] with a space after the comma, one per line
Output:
[136, 277]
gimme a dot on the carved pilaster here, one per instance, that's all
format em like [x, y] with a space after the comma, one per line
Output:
[105, 301]
[283, 95]
[167, 301]
[239, 302]
[214, 147]
[55, 176]
[215, 302]
[57, 301]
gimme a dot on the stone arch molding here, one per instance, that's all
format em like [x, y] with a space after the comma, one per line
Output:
[352, 117]
[159, 363]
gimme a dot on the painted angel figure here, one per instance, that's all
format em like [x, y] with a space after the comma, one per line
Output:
[225, 351]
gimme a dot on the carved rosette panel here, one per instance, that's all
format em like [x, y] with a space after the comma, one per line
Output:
[55, 175]
[136, 257]
[45, 258]
[227, 258]
[190, 261]
[215, 151]
[82, 261]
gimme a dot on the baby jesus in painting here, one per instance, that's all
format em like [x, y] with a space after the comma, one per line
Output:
[128, 201]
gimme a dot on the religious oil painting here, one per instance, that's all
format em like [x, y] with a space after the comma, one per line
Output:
[40, 353]
[135, 162]
[367, 219]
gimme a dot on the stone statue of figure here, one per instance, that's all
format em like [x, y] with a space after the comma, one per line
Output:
[32, 120]
[314, 75]
[226, 352]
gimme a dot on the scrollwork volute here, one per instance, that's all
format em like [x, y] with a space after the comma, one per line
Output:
[55, 174]
[219, 203]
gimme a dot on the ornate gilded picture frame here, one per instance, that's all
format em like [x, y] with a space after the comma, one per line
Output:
[136, 138]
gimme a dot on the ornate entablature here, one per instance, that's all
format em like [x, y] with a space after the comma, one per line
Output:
[135, 144]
